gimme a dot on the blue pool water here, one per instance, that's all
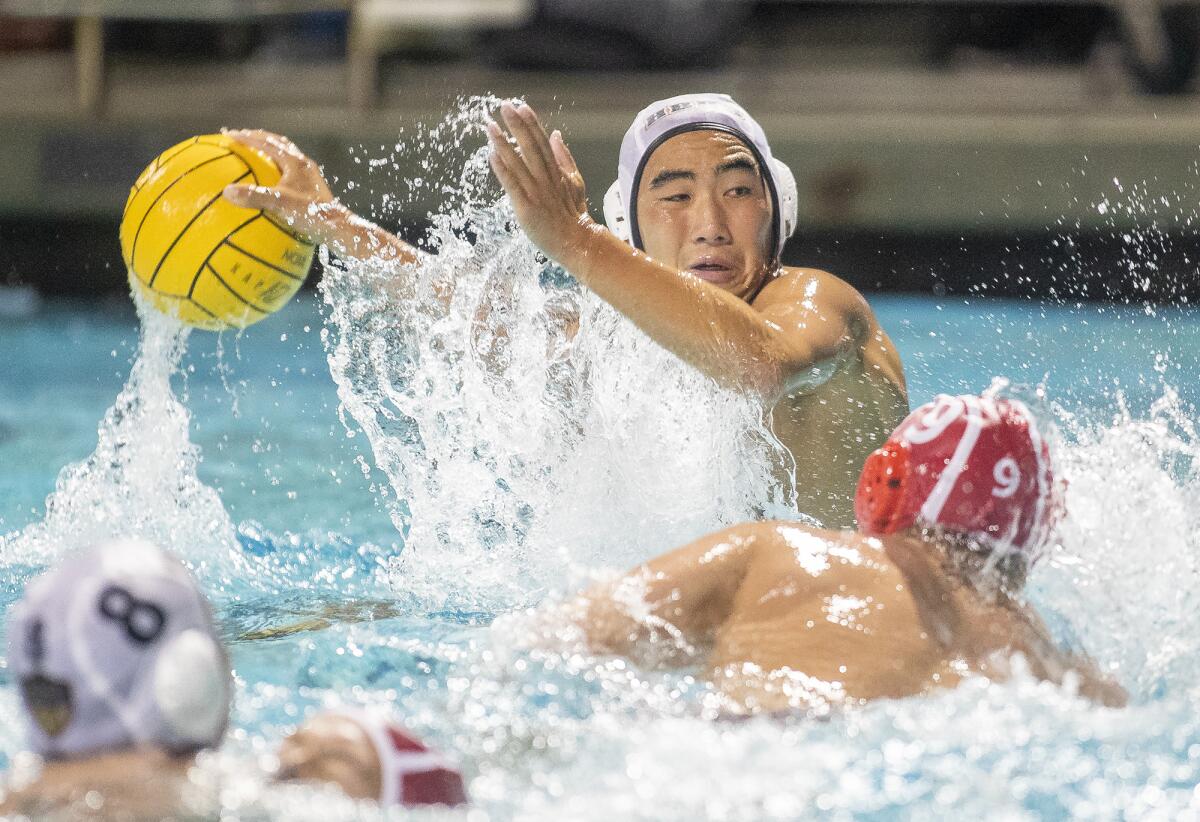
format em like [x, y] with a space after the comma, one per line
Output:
[285, 502]
[266, 411]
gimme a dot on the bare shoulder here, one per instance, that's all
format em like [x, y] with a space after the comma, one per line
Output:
[817, 550]
[17, 803]
[814, 290]
[814, 287]
[36, 800]
[135, 784]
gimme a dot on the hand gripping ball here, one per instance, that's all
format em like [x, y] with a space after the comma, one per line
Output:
[193, 254]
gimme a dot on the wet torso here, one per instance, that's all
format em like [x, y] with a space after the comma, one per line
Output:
[840, 412]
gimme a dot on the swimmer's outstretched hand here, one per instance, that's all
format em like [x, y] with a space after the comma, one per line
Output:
[303, 201]
[541, 178]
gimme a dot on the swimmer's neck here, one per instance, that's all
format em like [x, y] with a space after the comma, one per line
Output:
[115, 762]
[958, 562]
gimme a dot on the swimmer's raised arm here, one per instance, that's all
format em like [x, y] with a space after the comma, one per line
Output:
[670, 607]
[1047, 661]
[768, 349]
[302, 199]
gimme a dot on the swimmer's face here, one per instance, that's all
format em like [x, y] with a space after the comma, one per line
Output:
[703, 207]
[332, 748]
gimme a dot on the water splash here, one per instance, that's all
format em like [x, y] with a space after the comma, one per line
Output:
[141, 479]
[525, 428]
[1128, 572]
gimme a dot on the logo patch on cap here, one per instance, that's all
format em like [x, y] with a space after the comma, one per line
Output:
[666, 110]
[49, 701]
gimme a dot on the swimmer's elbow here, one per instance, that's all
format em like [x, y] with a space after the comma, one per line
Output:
[1107, 692]
[607, 628]
[1094, 685]
[765, 369]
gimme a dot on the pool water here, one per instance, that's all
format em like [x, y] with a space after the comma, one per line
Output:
[258, 471]
[265, 411]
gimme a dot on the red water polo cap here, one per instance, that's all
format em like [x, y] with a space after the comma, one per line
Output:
[415, 775]
[975, 465]
[411, 774]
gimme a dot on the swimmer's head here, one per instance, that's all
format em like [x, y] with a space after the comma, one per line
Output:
[369, 758]
[697, 188]
[973, 467]
[115, 648]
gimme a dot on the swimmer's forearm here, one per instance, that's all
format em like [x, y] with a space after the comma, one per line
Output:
[350, 235]
[714, 331]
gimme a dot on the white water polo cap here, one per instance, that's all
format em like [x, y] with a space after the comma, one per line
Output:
[665, 119]
[115, 647]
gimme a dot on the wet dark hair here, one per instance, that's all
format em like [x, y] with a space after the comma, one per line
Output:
[975, 560]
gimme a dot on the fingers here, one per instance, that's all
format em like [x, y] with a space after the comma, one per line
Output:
[288, 151]
[562, 155]
[279, 149]
[274, 144]
[261, 197]
[531, 137]
[510, 169]
[257, 139]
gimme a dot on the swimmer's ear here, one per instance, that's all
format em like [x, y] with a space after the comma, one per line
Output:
[562, 155]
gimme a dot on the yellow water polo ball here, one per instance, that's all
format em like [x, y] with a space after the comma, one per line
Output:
[195, 255]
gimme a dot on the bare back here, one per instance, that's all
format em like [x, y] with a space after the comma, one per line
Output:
[786, 617]
[825, 617]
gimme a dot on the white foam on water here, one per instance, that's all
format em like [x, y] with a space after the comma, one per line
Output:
[518, 452]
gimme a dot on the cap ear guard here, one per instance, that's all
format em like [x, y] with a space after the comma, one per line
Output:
[191, 688]
[878, 505]
[789, 199]
[188, 687]
[616, 216]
